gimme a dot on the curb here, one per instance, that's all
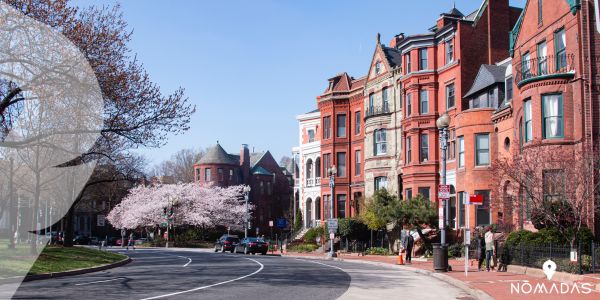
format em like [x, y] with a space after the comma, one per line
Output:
[19, 279]
[476, 293]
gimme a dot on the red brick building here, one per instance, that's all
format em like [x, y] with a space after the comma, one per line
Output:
[271, 185]
[342, 134]
[554, 47]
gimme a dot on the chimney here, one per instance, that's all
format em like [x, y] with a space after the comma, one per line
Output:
[498, 23]
[245, 163]
[396, 39]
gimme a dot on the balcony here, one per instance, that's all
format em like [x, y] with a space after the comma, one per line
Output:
[377, 110]
[313, 182]
[318, 181]
[544, 67]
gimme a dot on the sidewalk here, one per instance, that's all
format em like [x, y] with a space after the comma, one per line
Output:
[495, 284]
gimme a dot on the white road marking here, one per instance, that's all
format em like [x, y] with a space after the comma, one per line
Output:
[163, 257]
[212, 285]
[320, 263]
[100, 281]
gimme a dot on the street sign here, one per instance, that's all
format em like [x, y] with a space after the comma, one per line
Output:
[476, 199]
[444, 191]
[281, 223]
[332, 224]
[271, 223]
[100, 220]
[467, 237]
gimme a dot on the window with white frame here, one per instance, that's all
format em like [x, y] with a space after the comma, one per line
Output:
[380, 142]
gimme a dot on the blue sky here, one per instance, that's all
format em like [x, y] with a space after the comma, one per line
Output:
[252, 66]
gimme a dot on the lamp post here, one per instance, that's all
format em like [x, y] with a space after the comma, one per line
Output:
[332, 172]
[246, 219]
[442, 124]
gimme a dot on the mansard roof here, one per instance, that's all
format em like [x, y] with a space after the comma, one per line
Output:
[217, 155]
[487, 76]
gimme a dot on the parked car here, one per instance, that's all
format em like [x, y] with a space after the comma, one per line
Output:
[226, 243]
[94, 240]
[81, 240]
[252, 245]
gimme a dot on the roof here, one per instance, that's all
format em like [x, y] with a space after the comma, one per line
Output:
[261, 171]
[256, 157]
[217, 155]
[312, 111]
[286, 171]
[471, 16]
[393, 56]
[454, 12]
[488, 75]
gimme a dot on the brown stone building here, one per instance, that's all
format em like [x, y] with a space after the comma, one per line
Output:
[271, 185]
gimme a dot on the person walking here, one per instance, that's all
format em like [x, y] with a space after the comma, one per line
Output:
[480, 250]
[130, 241]
[489, 248]
[408, 245]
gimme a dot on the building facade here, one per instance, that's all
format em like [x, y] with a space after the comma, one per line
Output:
[271, 191]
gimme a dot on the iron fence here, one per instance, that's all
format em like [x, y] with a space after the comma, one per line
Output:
[580, 259]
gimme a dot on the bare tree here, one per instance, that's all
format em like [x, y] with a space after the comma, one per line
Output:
[558, 185]
[180, 166]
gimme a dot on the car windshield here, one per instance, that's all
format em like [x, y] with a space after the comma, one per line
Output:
[259, 240]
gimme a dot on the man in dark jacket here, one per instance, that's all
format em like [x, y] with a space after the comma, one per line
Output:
[408, 243]
[480, 250]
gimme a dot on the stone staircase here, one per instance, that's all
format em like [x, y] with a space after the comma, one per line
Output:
[298, 236]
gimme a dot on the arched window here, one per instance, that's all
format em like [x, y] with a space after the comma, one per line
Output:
[318, 167]
[309, 168]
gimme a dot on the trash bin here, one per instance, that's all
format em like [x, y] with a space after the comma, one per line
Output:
[440, 258]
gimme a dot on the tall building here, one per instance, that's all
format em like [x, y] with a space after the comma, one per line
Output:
[271, 191]
[307, 174]
[342, 145]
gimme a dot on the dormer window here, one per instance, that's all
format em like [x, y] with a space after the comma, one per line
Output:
[377, 67]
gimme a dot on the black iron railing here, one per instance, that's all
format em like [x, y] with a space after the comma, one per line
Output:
[377, 110]
[534, 68]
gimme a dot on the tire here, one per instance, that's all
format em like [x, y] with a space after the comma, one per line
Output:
[232, 250]
[264, 253]
[246, 250]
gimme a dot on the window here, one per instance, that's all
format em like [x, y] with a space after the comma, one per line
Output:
[326, 127]
[380, 183]
[341, 125]
[269, 189]
[230, 175]
[450, 96]
[378, 67]
[461, 151]
[449, 51]
[541, 56]
[462, 198]
[384, 97]
[424, 191]
[341, 164]
[528, 126]
[341, 206]
[509, 88]
[357, 123]
[309, 168]
[560, 48]
[207, 174]
[408, 104]
[553, 184]
[197, 174]
[408, 194]
[408, 150]
[221, 175]
[539, 11]
[326, 163]
[380, 146]
[371, 103]
[423, 59]
[452, 148]
[526, 65]
[552, 118]
[482, 149]
[318, 167]
[357, 160]
[483, 211]
[311, 135]
[452, 208]
[424, 153]
[424, 102]
[408, 63]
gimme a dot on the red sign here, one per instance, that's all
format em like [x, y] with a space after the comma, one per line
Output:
[444, 192]
[476, 199]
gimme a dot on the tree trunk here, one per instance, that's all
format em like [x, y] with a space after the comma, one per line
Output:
[69, 226]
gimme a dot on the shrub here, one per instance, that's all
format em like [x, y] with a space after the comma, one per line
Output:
[547, 236]
[304, 247]
[377, 251]
[312, 234]
[456, 250]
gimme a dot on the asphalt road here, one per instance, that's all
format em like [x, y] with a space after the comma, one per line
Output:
[178, 274]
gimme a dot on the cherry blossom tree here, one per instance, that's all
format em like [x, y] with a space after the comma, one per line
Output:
[191, 204]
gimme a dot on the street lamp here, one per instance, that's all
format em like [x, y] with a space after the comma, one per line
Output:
[332, 172]
[246, 219]
[442, 124]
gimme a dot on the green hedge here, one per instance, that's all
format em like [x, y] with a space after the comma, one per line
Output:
[377, 251]
[311, 235]
[305, 247]
[546, 236]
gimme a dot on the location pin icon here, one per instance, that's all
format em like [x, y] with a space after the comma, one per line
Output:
[549, 268]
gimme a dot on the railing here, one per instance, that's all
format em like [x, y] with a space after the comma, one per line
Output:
[318, 181]
[310, 181]
[533, 68]
[587, 258]
[377, 110]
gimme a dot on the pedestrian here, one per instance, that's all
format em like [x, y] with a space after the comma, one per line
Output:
[130, 241]
[409, 242]
[489, 248]
[502, 266]
[480, 250]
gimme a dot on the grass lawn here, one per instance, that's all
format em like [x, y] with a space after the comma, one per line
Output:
[52, 259]
[59, 259]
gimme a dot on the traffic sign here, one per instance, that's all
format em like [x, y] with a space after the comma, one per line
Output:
[476, 199]
[271, 223]
[332, 224]
[281, 223]
[100, 221]
[444, 191]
